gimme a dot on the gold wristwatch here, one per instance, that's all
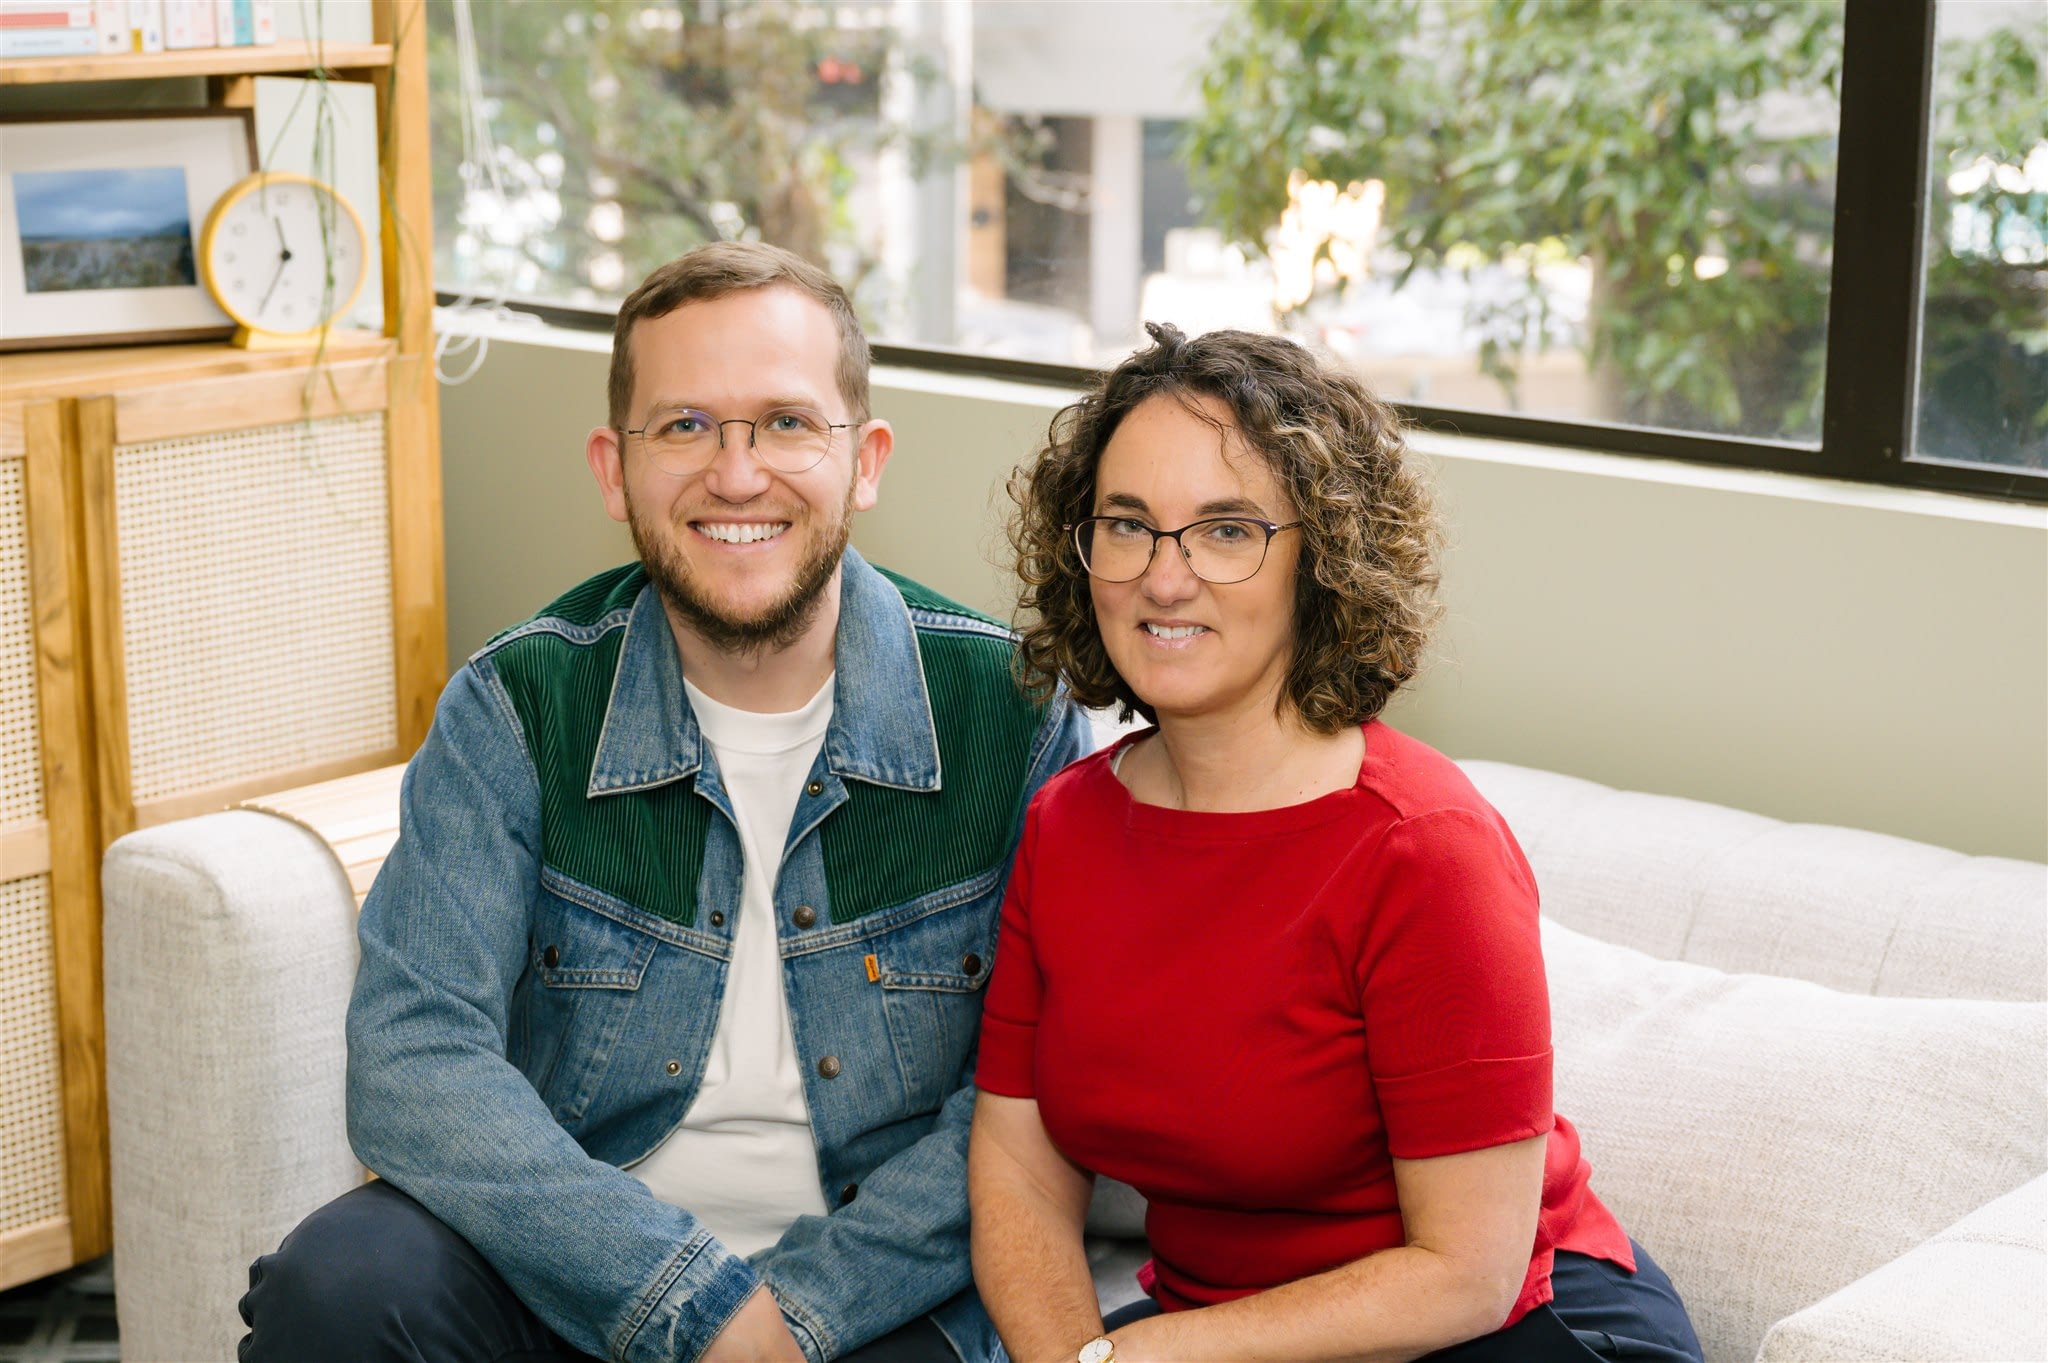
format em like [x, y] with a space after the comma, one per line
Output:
[1101, 1349]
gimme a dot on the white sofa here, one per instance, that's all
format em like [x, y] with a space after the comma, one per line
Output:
[1807, 1064]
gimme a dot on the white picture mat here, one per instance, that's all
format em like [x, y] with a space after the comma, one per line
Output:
[212, 150]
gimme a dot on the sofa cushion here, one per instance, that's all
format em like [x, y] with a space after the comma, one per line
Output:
[1689, 881]
[1978, 1290]
[1769, 1140]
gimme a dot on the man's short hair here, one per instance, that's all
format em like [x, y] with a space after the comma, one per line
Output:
[727, 267]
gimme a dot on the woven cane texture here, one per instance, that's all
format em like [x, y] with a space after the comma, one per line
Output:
[31, 1101]
[255, 601]
[21, 768]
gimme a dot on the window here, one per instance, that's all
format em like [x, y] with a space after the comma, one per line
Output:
[1983, 371]
[1687, 229]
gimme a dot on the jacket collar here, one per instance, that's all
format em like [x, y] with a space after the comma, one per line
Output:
[881, 729]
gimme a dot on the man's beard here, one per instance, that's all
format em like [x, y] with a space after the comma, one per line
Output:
[777, 627]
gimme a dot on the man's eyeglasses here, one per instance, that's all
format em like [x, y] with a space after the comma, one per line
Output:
[684, 440]
[1220, 550]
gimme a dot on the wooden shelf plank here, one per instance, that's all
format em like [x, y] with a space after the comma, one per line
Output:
[65, 373]
[275, 59]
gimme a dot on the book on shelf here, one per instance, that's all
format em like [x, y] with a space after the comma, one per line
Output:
[146, 24]
[263, 20]
[46, 14]
[178, 16]
[49, 42]
[111, 17]
[192, 23]
[223, 23]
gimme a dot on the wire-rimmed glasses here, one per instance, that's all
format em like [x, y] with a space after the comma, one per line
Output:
[685, 440]
[1219, 549]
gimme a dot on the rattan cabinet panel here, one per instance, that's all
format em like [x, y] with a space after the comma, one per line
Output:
[33, 1205]
[21, 769]
[255, 584]
[48, 954]
[31, 1091]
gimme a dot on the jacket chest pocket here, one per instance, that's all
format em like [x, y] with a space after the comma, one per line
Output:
[932, 972]
[583, 977]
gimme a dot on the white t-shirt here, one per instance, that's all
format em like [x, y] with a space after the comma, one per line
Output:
[744, 1161]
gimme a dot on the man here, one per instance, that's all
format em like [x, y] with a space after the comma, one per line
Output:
[663, 1032]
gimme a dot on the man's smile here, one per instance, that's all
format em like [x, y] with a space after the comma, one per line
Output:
[739, 532]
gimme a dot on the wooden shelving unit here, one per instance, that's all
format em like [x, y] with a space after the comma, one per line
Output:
[66, 419]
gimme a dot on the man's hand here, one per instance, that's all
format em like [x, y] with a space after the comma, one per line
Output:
[755, 1334]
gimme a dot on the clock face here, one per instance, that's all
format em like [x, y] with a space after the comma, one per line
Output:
[284, 254]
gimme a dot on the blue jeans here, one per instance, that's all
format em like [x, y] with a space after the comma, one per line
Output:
[1602, 1314]
[373, 1277]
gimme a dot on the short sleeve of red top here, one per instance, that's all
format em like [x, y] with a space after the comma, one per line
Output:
[1247, 1017]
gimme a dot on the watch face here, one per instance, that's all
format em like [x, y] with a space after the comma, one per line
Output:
[285, 256]
[1098, 1351]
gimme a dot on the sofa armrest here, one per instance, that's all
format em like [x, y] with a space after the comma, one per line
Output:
[230, 951]
[1974, 1293]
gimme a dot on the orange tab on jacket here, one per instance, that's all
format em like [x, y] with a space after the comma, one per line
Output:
[874, 970]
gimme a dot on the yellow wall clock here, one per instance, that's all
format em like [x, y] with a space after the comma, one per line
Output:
[284, 255]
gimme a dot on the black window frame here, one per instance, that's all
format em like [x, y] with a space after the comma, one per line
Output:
[1871, 379]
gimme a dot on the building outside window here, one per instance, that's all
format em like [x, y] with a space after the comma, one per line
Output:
[1610, 215]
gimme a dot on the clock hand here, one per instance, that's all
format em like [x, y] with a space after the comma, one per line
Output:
[274, 280]
[282, 245]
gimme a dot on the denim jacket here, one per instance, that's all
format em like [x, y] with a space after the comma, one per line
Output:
[545, 951]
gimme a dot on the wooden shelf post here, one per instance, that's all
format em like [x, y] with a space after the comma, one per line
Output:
[406, 217]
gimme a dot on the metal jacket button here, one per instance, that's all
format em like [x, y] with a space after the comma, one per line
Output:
[971, 963]
[805, 915]
[674, 1067]
[848, 1193]
[718, 918]
[815, 788]
[829, 1067]
[551, 958]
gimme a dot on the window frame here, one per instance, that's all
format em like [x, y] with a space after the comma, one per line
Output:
[1871, 378]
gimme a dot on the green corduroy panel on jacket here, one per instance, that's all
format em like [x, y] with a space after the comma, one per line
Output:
[882, 848]
[644, 847]
[885, 846]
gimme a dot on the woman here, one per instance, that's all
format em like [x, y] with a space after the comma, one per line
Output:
[1271, 962]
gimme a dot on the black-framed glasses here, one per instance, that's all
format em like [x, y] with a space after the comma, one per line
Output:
[1219, 550]
[685, 440]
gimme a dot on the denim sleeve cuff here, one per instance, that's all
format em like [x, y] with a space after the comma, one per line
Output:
[699, 1291]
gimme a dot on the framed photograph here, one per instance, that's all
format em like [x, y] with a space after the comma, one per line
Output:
[99, 220]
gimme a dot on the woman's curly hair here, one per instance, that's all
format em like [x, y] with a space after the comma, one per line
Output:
[1365, 588]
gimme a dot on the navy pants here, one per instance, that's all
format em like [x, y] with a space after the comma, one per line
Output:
[1602, 1314]
[373, 1277]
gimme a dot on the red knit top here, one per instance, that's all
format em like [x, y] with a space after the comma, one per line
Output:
[1247, 1017]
